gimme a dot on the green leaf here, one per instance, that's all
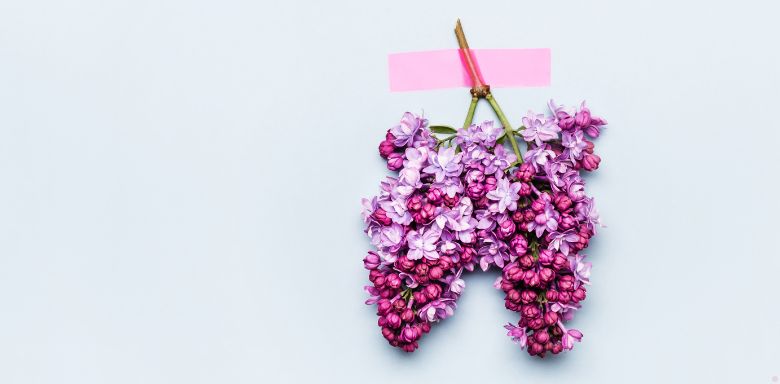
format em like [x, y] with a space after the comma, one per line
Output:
[501, 139]
[443, 129]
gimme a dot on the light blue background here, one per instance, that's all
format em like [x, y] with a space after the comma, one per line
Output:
[181, 185]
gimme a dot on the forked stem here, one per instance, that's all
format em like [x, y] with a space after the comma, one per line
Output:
[482, 90]
[470, 115]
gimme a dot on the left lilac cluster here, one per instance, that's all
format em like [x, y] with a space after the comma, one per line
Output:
[464, 200]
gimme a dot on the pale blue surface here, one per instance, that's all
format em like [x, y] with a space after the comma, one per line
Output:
[181, 187]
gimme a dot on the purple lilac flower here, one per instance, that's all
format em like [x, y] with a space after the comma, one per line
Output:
[416, 158]
[506, 195]
[539, 129]
[438, 310]
[580, 268]
[562, 241]
[396, 210]
[545, 221]
[489, 133]
[455, 283]
[538, 156]
[422, 243]
[445, 163]
[391, 237]
[517, 334]
[574, 144]
[405, 131]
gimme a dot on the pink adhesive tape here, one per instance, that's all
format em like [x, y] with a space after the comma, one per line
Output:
[416, 71]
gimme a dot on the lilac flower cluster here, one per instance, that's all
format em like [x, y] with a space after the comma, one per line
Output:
[465, 201]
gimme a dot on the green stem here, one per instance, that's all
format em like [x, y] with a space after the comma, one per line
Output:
[507, 127]
[470, 115]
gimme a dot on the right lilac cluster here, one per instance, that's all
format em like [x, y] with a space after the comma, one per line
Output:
[547, 283]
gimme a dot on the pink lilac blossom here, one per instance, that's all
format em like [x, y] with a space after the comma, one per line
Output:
[466, 201]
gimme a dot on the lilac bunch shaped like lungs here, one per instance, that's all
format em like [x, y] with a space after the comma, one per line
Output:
[463, 202]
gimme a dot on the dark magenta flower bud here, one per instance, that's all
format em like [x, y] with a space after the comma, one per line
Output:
[541, 336]
[427, 212]
[560, 262]
[538, 206]
[404, 264]
[381, 217]
[434, 195]
[582, 118]
[393, 281]
[525, 190]
[546, 257]
[578, 295]
[435, 273]
[564, 297]
[589, 146]
[551, 295]
[410, 347]
[383, 307]
[419, 297]
[399, 305]
[513, 273]
[377, 277]
[432, 291]
[388, 334]
[467, 254]
[451, 201]
[566, 283]
[407, 315]
[392, 320]
[475, 191]
[531, 311]
[506, 285]
[562, 202]
[395, 161]
[421, 269]
[566, 123]
[537, 323]
[513, 296]
[386, 147]
[525, 172]
[371, 261]
[550, 318]
[506, 228]
[528, 296]
[410, 334]
[531, 279]
[535, 349]
[518, 245]
[546, 275]
[594, 130]
[590, 161]
[526, 261]
[387, 293]
[445, 262]
[566, 222]
[414, 203]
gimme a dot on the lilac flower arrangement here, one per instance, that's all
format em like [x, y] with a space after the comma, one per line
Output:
[462, 201]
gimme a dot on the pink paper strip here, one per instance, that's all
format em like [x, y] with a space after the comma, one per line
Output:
[415, 71]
